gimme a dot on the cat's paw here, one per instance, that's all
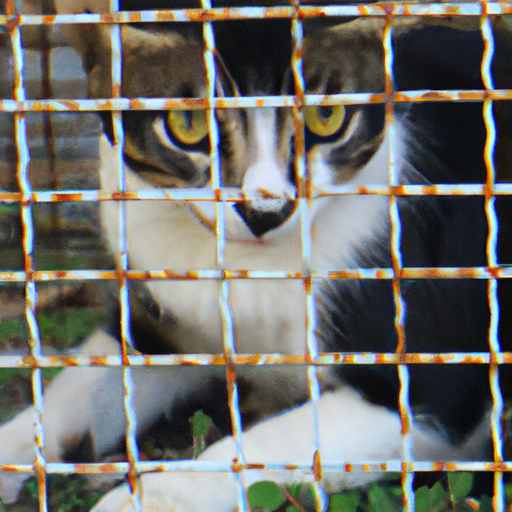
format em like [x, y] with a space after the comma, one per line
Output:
[175, 492]
[16, 447]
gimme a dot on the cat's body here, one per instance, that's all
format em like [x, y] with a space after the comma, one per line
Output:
[437, 143]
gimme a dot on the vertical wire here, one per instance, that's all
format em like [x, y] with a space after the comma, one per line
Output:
[491, 251]
[396, 255]
[22, 172]
[228, 326]
[123, 265]
[304, 197]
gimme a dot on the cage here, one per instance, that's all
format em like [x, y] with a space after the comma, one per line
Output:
[56, 273]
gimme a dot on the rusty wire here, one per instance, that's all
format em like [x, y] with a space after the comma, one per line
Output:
[384, 9]
[229, 358]
[122, 265]
[396, 236]
[23, 158]
[305, 206]
[492, 241]
[228, 326]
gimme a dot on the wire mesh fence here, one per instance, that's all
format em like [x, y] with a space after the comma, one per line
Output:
[53, 263]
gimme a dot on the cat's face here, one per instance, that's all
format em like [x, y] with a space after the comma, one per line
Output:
[256, 145]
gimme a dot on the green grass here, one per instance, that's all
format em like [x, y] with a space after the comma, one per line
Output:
[61, 329]
[65, 494]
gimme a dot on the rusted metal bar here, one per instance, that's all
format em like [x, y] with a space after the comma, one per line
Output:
[117, 104]
[122, 265]
[491, 250]
[382, 10]
[19, 105]
[500, 272]
[23, 159]
[321, 359]
[236, 195]
[304, 470]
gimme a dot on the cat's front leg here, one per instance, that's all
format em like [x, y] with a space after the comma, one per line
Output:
[176, 492]
[350, 430]
[67, 415]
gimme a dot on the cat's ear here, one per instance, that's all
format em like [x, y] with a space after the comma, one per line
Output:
[349, 57]
[140, 49]
[346, 58]
[226, 85]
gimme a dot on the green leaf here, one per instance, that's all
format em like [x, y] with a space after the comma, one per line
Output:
[486, 504]
[422, 499]
[265, 495]
[344, 502]
[50, 373]
[200, 424]
[437, 494]
[65, 327]
[430, 499]
[381, 500]
[295, 489]
[461, 483]
[8, 209]
[31, 485]
[463, 506]
[396, 490]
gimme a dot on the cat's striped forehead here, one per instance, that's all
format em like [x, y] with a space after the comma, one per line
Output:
[253, 57]
[256, 148]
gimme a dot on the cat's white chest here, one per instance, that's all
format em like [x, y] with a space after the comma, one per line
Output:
[269, 314]
[164, 235]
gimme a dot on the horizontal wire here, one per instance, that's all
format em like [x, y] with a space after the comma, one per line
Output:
[234, 195]
[301, 467]
[320, 359]
[355, 98]
[240, 359]
[501, 272]
[317, 275]
[397, 9]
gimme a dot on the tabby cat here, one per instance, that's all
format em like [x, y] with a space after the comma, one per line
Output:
[345, 145]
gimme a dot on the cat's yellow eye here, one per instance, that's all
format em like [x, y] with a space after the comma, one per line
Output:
[188, 126]
[324, 120]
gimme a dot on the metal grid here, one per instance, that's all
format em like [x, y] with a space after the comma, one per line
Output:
[27, 197]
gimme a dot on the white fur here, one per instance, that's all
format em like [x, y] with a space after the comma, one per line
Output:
[266, 176]
[264, 182]
[270, 316]
[350, 429]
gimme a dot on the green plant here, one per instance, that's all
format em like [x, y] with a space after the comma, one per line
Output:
[384, 496]
[65, 494]
[201, 424]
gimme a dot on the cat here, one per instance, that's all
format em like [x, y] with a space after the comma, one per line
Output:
[346, 144]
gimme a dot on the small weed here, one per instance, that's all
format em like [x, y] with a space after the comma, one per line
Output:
[201, 424]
